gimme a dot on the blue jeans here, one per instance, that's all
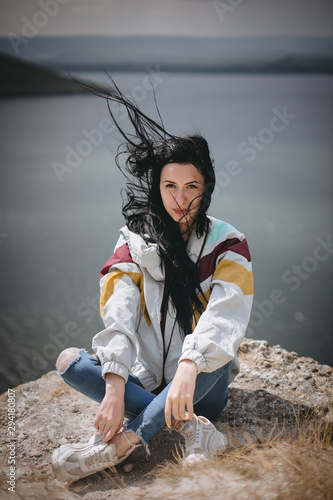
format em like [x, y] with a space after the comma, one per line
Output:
[144, 410]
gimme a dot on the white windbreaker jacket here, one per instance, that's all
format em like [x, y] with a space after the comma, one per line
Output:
[132, 285]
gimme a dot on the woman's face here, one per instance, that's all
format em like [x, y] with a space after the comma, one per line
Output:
[182, 187]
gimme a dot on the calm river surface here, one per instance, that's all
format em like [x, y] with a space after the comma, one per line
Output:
[271, 139]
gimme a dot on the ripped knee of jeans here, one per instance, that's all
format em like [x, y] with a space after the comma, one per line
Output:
[66, 358]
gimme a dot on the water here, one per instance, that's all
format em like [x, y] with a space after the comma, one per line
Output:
[55, 236]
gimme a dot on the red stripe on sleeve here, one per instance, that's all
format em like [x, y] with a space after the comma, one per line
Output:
[122, 254]
[208, 262]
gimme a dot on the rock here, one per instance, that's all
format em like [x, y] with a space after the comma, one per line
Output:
[306, 375]
[128, 467]
[35, 453]
[244, 348]
[325, 370]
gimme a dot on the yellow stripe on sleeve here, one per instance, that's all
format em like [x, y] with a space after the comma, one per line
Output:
[109, 286]
[204, 301]
[232, 272]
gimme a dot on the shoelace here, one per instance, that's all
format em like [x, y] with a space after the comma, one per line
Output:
[192, 440]
[97, 458]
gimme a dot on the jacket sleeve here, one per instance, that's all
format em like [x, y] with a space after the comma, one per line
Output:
[115, 346]
[221, 327]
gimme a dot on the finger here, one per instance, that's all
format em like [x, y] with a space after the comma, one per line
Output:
[97, 421]
[181, 410]
[167, 413]
[98, 425]
[175, 411]
[101, 429]
[109, 434]
[111, 428]
[119, 427]
[190, 411]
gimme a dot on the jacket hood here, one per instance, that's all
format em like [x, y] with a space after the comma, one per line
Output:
[144, 254]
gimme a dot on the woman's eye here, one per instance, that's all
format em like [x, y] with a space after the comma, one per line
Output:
[193, 186]
[170, 186]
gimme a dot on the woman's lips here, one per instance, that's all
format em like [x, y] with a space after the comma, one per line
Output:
[180, 212]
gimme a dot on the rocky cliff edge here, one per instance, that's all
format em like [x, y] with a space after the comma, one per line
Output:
[276, 393]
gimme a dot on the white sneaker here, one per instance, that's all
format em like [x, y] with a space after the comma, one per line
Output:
[95, 438]
[202, 440]
[71, 462]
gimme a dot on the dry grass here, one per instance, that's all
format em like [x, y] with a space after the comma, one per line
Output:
[296, 465]
[274, 464]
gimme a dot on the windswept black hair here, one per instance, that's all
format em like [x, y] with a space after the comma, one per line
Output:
[148, 148]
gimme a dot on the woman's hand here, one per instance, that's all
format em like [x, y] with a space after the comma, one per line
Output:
[110, 416]
[181, 392]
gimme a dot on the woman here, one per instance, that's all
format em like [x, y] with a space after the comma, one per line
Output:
[176, 297]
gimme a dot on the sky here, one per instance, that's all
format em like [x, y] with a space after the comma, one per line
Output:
[230, 18]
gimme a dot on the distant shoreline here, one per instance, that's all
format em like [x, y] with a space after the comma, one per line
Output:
[265, 55]
[24, 79]
[314, 67]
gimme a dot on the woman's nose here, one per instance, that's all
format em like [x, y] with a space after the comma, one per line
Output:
[181, 197]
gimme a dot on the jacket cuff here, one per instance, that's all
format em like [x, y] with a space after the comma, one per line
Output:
[116, 368]
[195, 356]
